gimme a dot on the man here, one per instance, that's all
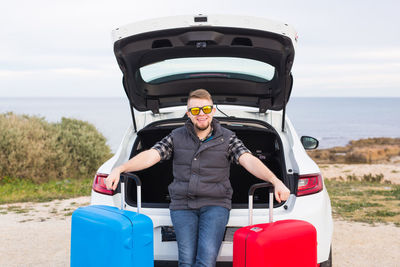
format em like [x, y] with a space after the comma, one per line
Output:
[200, 192]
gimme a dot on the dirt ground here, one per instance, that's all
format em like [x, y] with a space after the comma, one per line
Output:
[391, 172]
[38, 234]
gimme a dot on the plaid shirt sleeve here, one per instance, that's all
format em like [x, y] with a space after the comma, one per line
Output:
[235, 149]
[165, 147]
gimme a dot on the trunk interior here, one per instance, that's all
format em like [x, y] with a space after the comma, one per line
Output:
[260, 138]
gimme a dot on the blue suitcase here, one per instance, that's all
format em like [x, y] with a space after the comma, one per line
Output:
[108, 236]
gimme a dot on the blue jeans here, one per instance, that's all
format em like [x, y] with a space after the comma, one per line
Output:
[199, 234]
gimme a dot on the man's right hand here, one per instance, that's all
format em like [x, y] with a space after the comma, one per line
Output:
[113, 179]
[139, 162]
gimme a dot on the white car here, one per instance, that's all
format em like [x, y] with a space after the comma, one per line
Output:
[245, 63]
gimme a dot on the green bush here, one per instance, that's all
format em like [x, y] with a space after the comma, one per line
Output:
[32, 148]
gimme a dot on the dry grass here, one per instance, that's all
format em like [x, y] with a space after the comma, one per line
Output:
[365, 199]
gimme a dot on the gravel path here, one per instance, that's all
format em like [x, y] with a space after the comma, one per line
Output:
[358, 244]
[38, 234]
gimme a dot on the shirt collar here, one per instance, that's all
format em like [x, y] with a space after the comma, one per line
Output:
[208, 136]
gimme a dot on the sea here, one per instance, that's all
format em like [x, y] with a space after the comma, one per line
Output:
[333, 121]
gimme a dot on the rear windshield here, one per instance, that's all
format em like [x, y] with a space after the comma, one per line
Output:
[200, 67]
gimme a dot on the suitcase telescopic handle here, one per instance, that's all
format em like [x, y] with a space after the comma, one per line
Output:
[271, 199]
[123, 178]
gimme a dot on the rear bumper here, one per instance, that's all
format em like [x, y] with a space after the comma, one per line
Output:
[175, 263]
[315, 209]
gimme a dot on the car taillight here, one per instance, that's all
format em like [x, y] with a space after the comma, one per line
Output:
[100, 186]
[309, 184]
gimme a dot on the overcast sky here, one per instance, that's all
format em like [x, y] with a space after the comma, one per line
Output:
[64, 49]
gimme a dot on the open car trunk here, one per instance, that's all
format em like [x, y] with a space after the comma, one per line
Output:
[260, 138]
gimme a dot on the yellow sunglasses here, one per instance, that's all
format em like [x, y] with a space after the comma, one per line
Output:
[196, 110]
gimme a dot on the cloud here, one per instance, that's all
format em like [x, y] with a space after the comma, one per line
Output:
[50, 72]
[349, 79]
[54, 48]
[348, 54]
[347, 71]
[61, 82]
[370, 68]
[390, 53]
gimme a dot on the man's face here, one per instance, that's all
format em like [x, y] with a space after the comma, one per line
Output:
[201, 121]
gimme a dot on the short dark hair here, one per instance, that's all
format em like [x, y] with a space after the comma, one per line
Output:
[201, 94]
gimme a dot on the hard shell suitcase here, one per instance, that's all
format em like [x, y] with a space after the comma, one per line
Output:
[283, 243]
[108, 236]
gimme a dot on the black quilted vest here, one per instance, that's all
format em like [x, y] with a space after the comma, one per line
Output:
[200, 169]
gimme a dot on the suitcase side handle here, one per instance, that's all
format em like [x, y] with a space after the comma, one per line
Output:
[123, 178]
[271, 199]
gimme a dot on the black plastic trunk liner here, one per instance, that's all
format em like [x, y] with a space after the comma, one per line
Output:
[262, 143]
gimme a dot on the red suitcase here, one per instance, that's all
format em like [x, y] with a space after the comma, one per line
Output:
[283, 243]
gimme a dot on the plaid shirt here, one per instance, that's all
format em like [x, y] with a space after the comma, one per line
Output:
[236, 148]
